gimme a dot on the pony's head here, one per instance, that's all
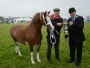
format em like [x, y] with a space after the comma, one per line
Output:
[45, 18]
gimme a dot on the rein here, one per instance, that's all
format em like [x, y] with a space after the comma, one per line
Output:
[52, 36]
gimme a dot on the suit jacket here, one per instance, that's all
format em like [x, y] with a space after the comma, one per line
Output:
[76, 30]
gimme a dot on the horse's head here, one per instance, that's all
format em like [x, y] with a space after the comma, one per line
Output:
[45, 20]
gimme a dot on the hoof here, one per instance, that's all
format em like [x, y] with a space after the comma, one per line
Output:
[33, 62]
[39, 61]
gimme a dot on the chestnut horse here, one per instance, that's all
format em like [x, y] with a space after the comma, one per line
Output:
[31, 34]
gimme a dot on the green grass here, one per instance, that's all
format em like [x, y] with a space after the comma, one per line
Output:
[9, 58]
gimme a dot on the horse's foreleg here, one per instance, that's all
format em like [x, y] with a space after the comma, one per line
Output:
[38, 48]
[17, 49]
[31, 49]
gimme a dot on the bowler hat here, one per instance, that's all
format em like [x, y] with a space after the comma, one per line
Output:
[56, 9]
[71, 10]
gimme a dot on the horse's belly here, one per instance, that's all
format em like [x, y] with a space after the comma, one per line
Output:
[34, 39]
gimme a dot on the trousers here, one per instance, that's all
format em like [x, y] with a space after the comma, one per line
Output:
[76, 47]
[56, 47]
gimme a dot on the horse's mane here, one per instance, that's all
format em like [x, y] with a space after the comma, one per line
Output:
[37, 15]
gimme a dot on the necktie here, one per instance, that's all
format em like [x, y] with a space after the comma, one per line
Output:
[73, 19]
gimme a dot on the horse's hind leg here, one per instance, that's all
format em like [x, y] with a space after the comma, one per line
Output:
[38, 48]
[17, 49]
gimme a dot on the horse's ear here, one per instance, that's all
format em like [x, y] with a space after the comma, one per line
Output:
[45, 12]
[49, 12]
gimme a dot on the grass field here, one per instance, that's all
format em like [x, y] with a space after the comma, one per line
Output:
[9, 58]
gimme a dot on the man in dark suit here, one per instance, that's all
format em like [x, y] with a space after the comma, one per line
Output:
[57, 22]
[76, 36]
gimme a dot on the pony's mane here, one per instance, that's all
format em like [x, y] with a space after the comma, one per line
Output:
[36, 16]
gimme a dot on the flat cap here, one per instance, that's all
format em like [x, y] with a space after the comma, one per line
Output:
[56, 9]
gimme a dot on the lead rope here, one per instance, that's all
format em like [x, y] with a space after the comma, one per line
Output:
[52, 36]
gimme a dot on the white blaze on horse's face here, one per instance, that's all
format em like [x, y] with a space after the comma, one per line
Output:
[49, 23]
[47, 20]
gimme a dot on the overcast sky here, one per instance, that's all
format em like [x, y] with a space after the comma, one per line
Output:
[20, 8]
